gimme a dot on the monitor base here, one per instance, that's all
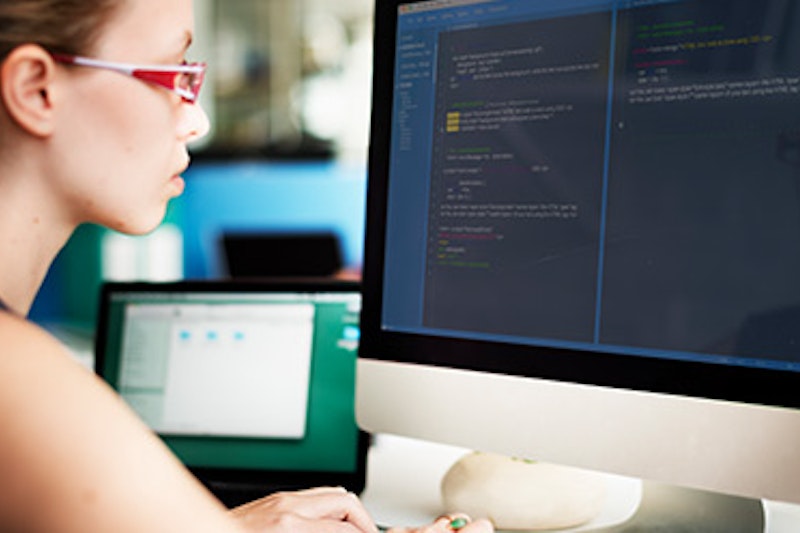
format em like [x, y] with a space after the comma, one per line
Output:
[670, 509]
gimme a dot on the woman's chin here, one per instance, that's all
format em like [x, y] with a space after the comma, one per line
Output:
[139, 225]
[176, 186]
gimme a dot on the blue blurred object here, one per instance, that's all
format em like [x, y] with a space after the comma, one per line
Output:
[280, 197]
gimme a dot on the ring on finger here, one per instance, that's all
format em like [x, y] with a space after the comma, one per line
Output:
[454, 523]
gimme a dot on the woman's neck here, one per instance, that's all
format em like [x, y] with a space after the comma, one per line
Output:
[25, 262]
[31, 235]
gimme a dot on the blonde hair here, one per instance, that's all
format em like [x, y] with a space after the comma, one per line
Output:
[65, 26]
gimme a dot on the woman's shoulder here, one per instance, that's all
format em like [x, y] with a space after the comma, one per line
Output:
[39, 382]
[33, 361]
[69, 440]
[21, 341]
[38, 376]
[16, 330]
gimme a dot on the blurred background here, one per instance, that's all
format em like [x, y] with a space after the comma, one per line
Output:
[278, 185]
[290, 78]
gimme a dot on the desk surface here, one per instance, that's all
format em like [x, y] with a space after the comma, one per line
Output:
[403, 479]
[404, 475]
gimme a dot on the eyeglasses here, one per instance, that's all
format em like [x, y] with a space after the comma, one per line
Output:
[184, 80]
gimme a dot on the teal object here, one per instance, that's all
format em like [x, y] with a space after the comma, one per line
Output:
[458, 523]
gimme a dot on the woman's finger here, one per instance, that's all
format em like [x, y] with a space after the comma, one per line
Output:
[450, 523]
[332, 504]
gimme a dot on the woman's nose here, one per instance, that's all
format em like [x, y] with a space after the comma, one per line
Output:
[194, 123]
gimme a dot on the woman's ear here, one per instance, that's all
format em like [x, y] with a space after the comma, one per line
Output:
[26, 78]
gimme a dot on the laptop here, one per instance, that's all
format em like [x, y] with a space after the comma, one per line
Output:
[250, 383]
[252, 254]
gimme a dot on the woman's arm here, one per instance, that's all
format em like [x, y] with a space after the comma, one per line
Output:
[74, 458]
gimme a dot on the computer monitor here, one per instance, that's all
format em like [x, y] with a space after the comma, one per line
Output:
[583, 235]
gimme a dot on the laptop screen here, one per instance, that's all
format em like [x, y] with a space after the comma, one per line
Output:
[239, 377]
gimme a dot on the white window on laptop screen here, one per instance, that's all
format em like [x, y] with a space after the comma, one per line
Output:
[239, 370]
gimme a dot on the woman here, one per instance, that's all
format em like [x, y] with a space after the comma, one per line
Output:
[83, 140]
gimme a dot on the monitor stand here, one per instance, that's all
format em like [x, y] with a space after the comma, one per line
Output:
[670, 509]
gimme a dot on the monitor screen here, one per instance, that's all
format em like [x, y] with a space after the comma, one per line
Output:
[602, 195]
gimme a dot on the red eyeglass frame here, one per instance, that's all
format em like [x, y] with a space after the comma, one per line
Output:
[166, 76]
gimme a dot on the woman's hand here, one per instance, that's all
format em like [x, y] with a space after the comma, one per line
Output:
[319, 510]
[333, 510]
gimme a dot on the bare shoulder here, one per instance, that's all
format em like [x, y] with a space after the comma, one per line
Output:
[20, 338]
[73, 457]
[30, 358]
[37, 371]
